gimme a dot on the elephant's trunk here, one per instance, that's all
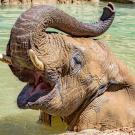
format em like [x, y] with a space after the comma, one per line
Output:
[56, 18]
[29, 29]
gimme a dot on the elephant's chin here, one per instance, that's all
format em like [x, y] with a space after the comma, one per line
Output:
[33, 95]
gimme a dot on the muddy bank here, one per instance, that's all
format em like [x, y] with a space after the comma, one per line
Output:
[120, 131]
[122, 1]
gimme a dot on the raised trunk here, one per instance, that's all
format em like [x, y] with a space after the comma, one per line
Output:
[55, 18]
[39, 18]
[30, 28]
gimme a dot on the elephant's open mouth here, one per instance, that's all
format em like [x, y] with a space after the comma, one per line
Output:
[31, 93]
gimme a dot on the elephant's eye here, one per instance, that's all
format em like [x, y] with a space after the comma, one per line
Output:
[77, 59]
[76, 63]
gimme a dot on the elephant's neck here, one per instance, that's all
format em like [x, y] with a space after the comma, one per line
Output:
[73, 120]
[78, 121]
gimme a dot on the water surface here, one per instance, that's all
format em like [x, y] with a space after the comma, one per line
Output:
[120, 37]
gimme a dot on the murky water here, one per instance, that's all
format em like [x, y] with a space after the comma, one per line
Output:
[120, 37]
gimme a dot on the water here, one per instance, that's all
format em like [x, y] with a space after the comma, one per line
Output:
[120, 37]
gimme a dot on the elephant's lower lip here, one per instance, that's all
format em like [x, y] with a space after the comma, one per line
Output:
[38, 103]
[31, 93]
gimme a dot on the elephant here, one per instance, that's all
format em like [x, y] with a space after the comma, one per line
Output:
[70, 75]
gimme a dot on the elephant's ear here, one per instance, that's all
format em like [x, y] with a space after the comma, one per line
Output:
[115, 86]
[126, 88]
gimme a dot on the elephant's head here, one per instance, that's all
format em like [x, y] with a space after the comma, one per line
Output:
[61, 76]
[60, 71]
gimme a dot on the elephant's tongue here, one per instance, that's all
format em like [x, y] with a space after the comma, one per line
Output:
[39, 88]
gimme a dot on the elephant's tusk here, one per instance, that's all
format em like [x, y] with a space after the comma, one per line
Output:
[6, 59]
[37, 63]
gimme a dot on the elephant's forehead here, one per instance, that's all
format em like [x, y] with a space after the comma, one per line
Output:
[85, 44]
[82, 42]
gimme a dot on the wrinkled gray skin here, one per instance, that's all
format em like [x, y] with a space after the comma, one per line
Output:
[75, 69]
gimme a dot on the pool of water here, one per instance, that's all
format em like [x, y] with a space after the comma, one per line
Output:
[120, 37]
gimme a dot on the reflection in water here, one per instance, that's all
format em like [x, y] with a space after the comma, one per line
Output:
[120, 37]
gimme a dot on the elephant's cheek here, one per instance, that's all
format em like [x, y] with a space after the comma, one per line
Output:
[54, 107]
[60, 105]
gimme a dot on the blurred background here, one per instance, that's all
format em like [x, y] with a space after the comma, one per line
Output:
[6, 2]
